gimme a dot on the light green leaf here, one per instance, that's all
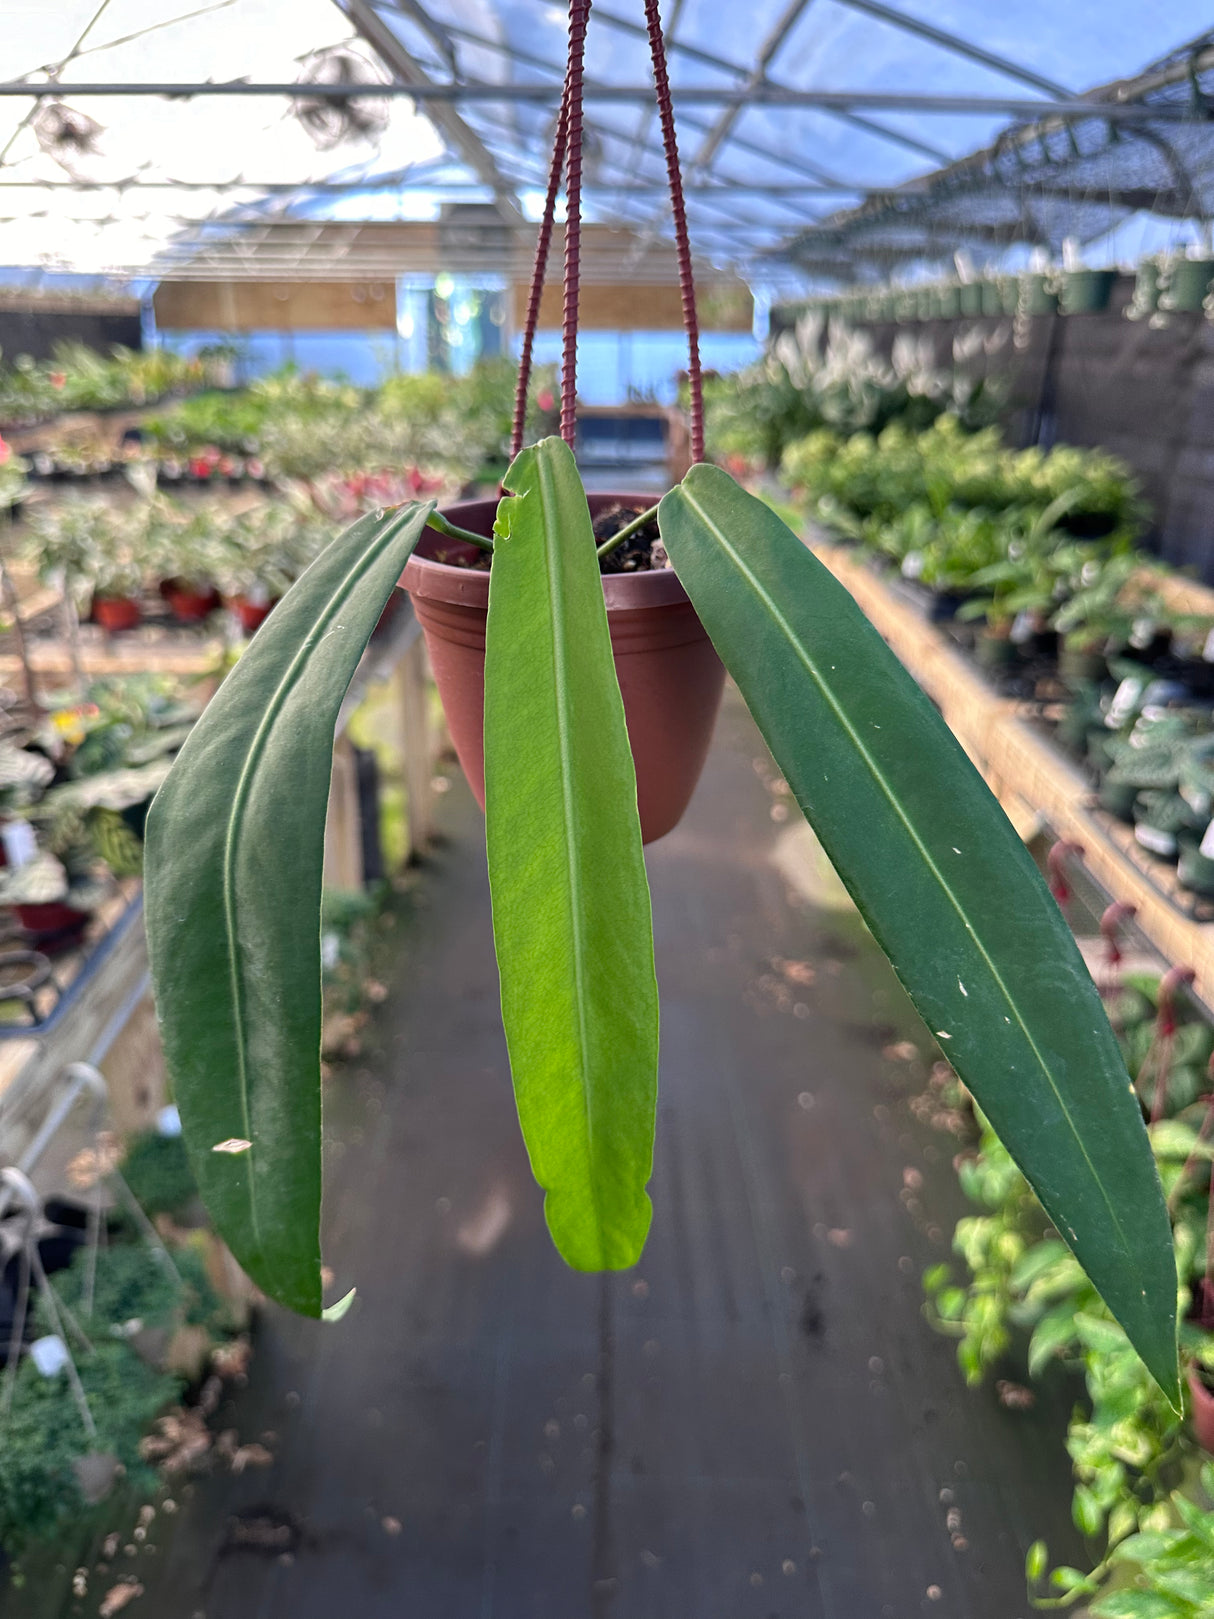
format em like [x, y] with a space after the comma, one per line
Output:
[1052, 1333]
[233, 857]
[338, 1311]
[945, 884]
[1138, 1605]
[571, 914]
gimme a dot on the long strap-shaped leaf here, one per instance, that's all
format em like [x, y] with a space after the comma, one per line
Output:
[235, 846]
[945, 884]
[571, 914]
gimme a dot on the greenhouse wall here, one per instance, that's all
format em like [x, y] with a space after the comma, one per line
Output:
[35, 331]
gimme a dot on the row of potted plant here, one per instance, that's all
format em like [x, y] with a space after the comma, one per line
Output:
[74, 796]
[1023, 1304]
[1165, 283]
[298, 425]
[294, 425]
[1030, 559]
[107, 555]
[77, 377]
[821, 374]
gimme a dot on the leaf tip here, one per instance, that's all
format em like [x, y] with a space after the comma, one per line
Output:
[335, 1312]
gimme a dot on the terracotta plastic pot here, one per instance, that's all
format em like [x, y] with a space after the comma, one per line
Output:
[116, 612]
[251, 615]
[670, 677]
[188, 605]
[54, 925]
[1203, 1411]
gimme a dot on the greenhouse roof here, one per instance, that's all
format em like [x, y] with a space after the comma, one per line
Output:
[822, 138]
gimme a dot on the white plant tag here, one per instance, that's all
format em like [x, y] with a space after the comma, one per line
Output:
[1022, 628]
[1161, 843]
[20, 844]
[1124, 698]
[49, 1355]
[1207, 842]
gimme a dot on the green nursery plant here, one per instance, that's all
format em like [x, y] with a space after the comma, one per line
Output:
[940, 876]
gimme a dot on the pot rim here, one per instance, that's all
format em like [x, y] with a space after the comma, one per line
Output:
[440, 581]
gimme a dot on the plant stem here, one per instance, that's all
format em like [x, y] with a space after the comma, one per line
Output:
[437, 521]
[627, 531]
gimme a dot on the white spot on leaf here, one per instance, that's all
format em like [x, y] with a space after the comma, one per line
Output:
[234, 1144]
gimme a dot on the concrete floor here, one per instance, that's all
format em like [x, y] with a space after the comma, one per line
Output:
[755, 1424]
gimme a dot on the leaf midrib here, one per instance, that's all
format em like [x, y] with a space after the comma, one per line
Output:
[235, 822]
[550, 509]
[891, 798]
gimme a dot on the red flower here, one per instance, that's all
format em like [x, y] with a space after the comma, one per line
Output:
[57, 379]
[546, 400]
[5, 452]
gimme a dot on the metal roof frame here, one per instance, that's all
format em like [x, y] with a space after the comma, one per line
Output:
[752, 200]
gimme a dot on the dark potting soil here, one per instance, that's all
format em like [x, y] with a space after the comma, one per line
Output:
[640, 552]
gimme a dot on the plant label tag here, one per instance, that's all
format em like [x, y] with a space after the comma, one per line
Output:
[1206, 846]
[20, 844]
[1207, 651]
[49, 1355]
[1160, 843]
[168, 1121]
[1124, 699]
[1022, 628]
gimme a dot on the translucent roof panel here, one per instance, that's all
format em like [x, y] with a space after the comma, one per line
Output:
[781, 177]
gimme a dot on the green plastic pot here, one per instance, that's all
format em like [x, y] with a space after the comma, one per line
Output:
[970, 295]
[1037, 295]
[1195, 870]
[1187, 281]
[1086, 292]
[949, 300]
[929, 303]
[906, 307]
[992, 298]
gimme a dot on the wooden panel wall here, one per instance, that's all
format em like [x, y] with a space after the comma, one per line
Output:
[637, 306]
[276, 306]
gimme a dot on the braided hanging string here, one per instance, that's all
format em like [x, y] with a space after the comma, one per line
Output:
[657, 51]
[543, 243]
[579, 17]
[568, 147]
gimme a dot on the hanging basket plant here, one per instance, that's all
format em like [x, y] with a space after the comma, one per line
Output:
[1085, 292]
[1184, 285]
[939, 874]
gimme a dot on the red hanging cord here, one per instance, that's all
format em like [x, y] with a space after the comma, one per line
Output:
[657, 51]
[568, 151]
[543, 243]
[579, 17]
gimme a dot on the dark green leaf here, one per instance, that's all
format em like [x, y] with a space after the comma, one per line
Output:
[571, 915]
[945, 884]
[234, 850]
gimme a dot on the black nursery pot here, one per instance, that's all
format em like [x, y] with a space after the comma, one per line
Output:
[943, 605]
